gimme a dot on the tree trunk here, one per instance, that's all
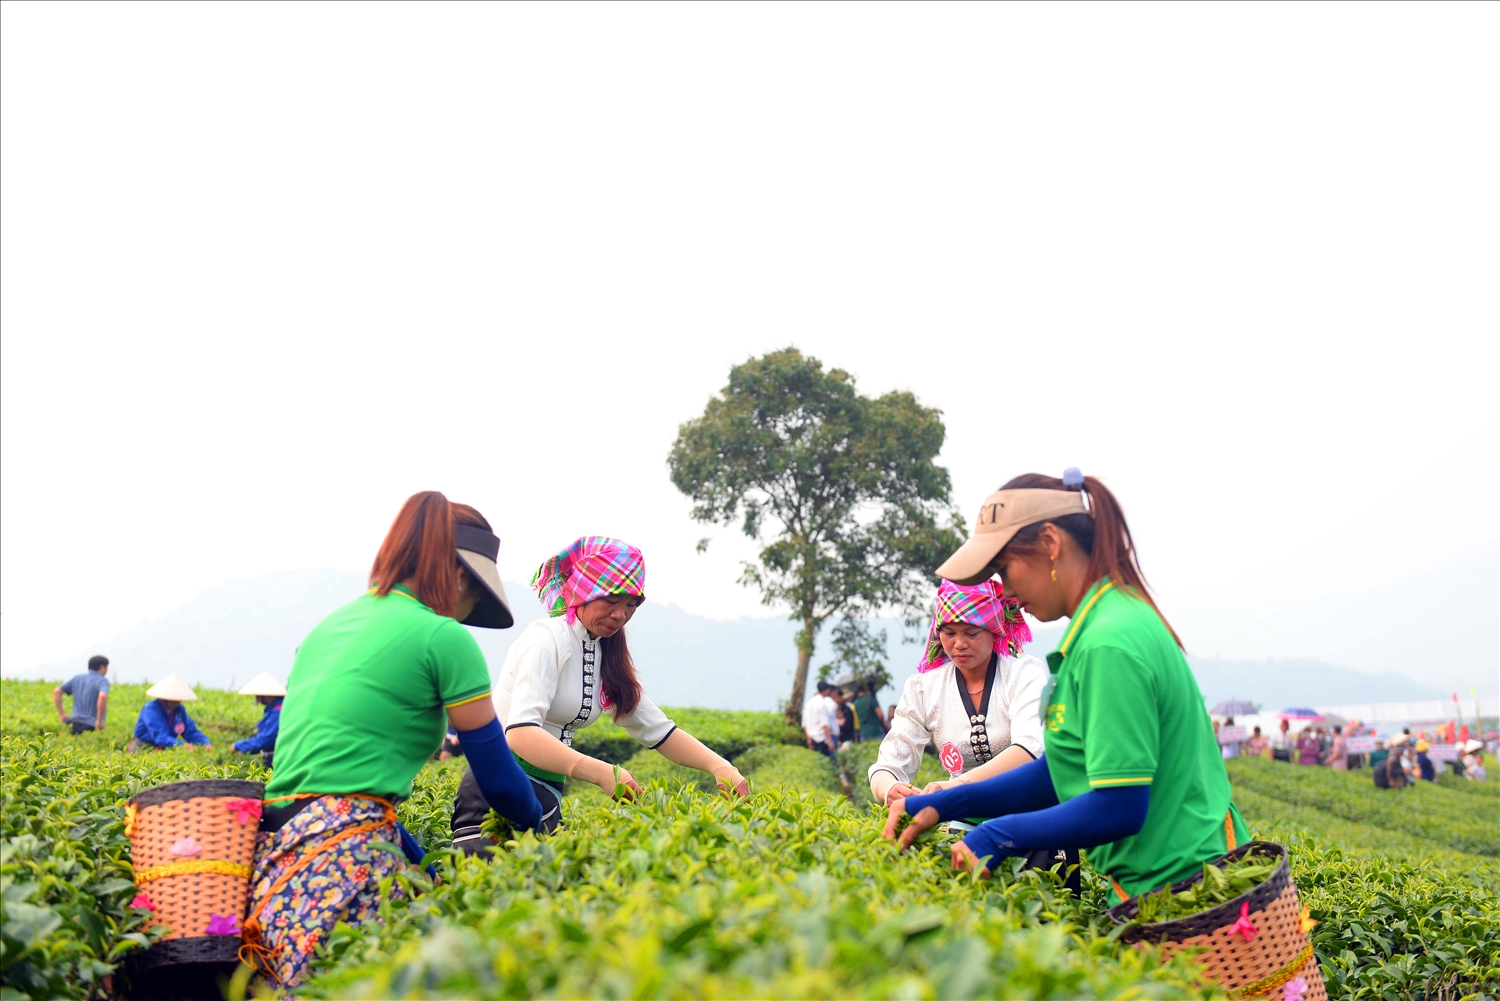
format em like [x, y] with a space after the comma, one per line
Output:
[799, 680]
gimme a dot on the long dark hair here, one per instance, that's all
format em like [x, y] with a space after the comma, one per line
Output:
[1102, 533]
[617, 674]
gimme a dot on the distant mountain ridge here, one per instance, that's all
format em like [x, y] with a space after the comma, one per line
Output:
[228, 634]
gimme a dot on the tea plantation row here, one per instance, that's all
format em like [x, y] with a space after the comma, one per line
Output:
[790, 893]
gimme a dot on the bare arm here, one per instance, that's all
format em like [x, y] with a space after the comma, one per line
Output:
[99, 710]
[472, 715]
[57, 694]
[886, 788]
[683, 748]
[544, 751]
[1013, 756]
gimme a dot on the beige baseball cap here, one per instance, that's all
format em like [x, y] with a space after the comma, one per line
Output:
[1004, 513]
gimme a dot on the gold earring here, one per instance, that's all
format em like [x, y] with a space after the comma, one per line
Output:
[1054, 569]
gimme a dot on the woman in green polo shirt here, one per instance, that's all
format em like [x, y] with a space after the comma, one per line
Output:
[371, 693]
[1131, 764]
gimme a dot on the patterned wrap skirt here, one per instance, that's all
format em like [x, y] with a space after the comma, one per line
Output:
[340, 883]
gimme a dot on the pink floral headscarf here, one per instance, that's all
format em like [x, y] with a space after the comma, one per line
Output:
[590, 568]
[981, 605]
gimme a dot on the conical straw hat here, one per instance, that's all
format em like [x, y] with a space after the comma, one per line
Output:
[264, 683]
[173, 689]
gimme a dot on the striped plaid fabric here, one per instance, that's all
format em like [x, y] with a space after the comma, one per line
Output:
[590, 568]
[980, 605]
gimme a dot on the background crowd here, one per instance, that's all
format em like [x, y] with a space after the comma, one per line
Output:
[1393, 760]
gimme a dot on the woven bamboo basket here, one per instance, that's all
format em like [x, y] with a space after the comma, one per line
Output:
[192, 845]
[1260, 966]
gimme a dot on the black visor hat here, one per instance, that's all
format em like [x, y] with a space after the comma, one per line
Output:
[478, 549]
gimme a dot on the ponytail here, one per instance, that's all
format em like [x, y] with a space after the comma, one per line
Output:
[617, 674]
[419, 548]
[1102, 533]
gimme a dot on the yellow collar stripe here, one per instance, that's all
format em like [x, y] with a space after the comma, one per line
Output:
[1078, 619]
[394, 591]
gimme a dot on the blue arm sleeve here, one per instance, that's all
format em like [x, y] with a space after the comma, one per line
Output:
[413, 850]
[151, 727]
[1019, 790]
[506, 788]
[265, 734]
[191, 733]
[1095, 818]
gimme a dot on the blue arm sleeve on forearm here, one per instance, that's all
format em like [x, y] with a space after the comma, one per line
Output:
[191, 733]
[1095, 818]
[1019, 790]
[265, 734]
[146, 727]
[413, 850]
[506, 788]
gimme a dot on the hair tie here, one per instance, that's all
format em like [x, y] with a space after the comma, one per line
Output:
[1072, 478]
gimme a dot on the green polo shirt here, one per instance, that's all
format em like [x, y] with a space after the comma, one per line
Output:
[1126, 710]
[367, 697]
[869, 723]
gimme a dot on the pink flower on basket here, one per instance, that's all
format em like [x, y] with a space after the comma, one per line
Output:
[244, 810]
[1295, 989]
[1244, 925]
[222, 924]
[143, 902]
[186, 846]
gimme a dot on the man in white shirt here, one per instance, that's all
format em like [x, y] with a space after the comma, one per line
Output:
[820, 721]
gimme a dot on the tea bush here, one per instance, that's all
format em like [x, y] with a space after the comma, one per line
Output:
[680, 894]
[1393, 928]
[1465, 823]
[854, 769]
[686, 894]
[1459, 782]
[65, 875]
[728, 732]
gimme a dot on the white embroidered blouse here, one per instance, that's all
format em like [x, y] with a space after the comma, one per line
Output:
[551, 680]
[936, 707]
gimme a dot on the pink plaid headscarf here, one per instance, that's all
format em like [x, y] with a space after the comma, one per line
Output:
[981, 605]
[590, 568]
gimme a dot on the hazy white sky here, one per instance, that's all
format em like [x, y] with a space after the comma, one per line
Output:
[268, 269]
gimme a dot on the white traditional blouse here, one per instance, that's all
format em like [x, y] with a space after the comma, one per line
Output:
[551, 680]
[936, 707]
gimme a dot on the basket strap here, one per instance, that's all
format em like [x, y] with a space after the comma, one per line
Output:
[188, 868]
[1266, 985]
[253, 953]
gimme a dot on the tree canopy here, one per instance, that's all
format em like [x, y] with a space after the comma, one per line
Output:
[843, 491]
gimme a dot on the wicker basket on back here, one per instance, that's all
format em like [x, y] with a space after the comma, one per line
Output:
[1252, 960]
[192, 845]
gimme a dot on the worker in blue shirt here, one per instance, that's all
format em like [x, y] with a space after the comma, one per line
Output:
[163, 722]
[268, 692]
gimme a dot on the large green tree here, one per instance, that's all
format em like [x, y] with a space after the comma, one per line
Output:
[841, 490]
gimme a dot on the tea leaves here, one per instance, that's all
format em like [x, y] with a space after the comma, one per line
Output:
[789, 893]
